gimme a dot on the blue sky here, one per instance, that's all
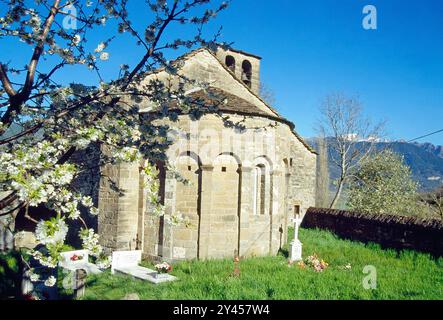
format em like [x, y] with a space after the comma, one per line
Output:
[316, 47]
[312, 48]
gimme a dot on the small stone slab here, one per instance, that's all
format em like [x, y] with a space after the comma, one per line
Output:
[146, 274]
[295, 251]
[127, 262]
[125, 259]
[82, 261]
[90, 268]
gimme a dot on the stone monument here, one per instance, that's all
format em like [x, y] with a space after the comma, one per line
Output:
[295, 247]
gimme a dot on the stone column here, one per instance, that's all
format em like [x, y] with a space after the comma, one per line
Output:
[205, 210]
[128, 206]
[246, 207]
[275, 217]
[140, 243]
[118, 217]
[165, 233]
[286, 196]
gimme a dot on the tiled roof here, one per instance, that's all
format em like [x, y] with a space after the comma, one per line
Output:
[226, 101]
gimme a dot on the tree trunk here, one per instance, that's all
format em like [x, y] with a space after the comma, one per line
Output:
[337, 194]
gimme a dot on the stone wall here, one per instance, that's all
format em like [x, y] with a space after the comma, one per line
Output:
[240, 57]
[204, 67]
[390, 231]
[87, 182]
[6, 223]
[221, 162]
[218, 200]
[6, 237]
[119, 206]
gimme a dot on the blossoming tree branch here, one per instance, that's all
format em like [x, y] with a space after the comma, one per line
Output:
[57, 120]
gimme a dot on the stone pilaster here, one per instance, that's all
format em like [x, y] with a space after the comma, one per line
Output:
[165, 241]
[285, 206]
[275, 221]
[205, 210]
[119, 206]
[246, 204]
[128, 206]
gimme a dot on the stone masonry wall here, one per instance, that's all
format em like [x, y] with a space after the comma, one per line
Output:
[119, 206]
[222, 215]
[239, 58]
[226, 184]
[205, 67]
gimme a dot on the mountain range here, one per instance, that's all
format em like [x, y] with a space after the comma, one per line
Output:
[437, 150]
[424, 159]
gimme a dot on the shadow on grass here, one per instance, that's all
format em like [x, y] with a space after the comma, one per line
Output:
[10, 275]
[283, 252]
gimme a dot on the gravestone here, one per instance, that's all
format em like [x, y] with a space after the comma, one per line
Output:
[78, 260]
[123, 259]
[77, 264]
[127, 262]
[295, 247]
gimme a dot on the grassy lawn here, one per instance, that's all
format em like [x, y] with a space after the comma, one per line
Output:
[404, 275]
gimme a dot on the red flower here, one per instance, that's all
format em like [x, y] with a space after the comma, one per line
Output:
[29, 297]
[74, 257]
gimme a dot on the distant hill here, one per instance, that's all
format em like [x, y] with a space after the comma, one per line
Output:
[437, 150]
[424, 159]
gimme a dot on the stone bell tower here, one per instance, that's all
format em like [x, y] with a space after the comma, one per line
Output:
[245, 66]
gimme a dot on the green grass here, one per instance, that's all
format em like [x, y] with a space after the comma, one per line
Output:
[400, 275]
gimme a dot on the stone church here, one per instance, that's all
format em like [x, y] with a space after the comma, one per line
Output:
[243, 186]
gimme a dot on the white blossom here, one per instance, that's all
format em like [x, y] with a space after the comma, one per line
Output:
[94, 211]
[45, 260]
[33, 276]
[104, 262]
[51, 232]
[101, 46]
[175, 219]
[90, 242]
[51, 281]
[104, 56]
[87, 201]
[76, 39]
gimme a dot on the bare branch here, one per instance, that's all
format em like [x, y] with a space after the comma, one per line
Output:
[39, 50]
[6, 82]
[352, 135]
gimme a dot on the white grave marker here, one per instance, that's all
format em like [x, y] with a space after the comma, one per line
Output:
[77, 260]
[295, 247]
[127, 262]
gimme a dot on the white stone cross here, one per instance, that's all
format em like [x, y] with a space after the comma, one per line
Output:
[295, 247]
[297, 222]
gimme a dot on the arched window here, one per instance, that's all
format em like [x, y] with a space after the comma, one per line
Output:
[230, 63]
[246, 75]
